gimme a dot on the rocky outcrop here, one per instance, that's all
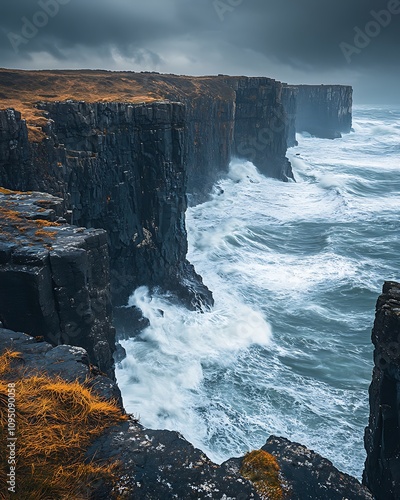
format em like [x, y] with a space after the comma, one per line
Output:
[69, 362]
[54, 278]
[307, 475]
[382, 436]
[323, 110]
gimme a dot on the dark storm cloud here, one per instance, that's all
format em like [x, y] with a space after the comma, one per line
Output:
[283, 38]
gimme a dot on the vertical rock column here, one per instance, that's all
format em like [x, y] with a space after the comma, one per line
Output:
[382, 436]
[261, 125]
[324, 110]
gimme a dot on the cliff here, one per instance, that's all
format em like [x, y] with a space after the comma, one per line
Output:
[121, 168]
[127, 167]
[323, 110]
[54, 278]
[225, 116]
[382, 436]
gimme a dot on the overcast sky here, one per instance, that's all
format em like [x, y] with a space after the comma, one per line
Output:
[297, 41]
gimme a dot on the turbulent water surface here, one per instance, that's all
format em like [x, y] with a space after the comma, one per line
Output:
[295, 269]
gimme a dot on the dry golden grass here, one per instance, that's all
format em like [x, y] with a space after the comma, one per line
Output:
[56, 422]
[8, 215]
[45, 223]
[22, 90]
[41, 233]
[9, 192]
[262, 469]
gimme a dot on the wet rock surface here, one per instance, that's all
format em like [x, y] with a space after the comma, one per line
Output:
[54, 278]
[382, 436]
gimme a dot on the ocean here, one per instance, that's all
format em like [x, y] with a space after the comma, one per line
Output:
[295, 269]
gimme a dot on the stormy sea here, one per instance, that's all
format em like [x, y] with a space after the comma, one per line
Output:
[295, 269]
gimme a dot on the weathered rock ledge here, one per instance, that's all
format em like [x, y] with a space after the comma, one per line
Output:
[54, 278]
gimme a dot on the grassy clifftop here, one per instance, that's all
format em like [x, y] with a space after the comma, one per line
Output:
[22, 90]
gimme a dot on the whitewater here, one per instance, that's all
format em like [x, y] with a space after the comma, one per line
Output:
[295, 269]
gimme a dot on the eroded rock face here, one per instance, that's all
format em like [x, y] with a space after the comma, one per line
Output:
[382, 436]
[261, 125]
[305, 475]
[54, 278]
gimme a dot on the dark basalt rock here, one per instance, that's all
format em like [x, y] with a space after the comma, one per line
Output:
[382, 436]
[129, 322]
[119, 167]
[305, 475]
[312, 477]
[261, 125]
[234, 117]
[54, 278]
[289, 101]
[163, 465]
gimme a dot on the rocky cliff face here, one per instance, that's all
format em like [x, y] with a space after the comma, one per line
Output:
[323, 110]
[289, 101]
[382, 436]
[121, 168]
[54, 278]
[232, 117]
[128, 168]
